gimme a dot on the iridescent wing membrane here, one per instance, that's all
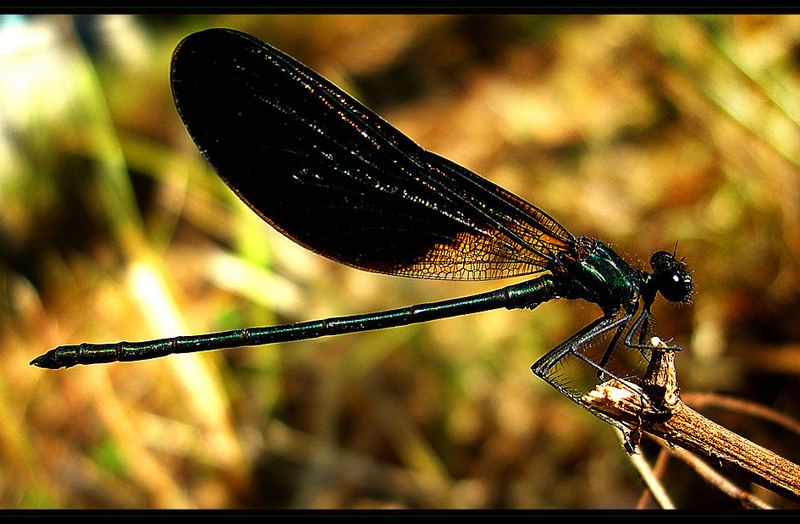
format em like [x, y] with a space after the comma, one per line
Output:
[336, 178]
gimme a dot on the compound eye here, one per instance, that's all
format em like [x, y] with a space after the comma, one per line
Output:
[676, 286]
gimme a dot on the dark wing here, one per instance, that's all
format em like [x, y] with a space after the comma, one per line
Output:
[337, 179]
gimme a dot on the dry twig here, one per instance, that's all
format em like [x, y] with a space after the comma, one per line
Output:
[681, 426]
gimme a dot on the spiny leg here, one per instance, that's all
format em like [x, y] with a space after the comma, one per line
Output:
[543, 367]
[641, 325]
[601, 371]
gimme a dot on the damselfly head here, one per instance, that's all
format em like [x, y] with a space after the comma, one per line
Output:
[672, 277]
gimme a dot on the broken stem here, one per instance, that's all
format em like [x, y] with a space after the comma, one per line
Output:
[681, 426]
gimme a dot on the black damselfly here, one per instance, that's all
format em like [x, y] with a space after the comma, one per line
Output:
[337, 179]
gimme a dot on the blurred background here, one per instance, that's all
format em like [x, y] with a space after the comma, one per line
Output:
[642, 131]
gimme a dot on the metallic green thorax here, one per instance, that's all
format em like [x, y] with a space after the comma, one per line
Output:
[604, 278]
